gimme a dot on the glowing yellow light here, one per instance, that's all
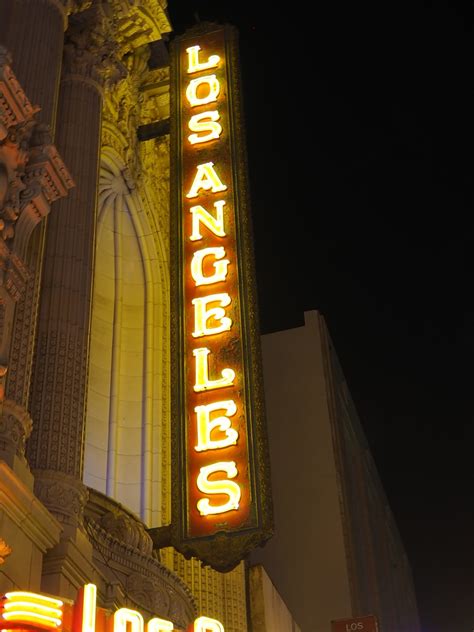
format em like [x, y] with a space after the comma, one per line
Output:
[159, 625]
[194, 65]
[213, 89]
[230, 488]
[24, 616]
[204, 122]
[202, 314]
[220, 265]
[32, 598]
[26, 605]
[205, 624]
[203, 383]
[89, 602]
[29, 607]
[205, 425]
[207, 179]
[123, 618]
[215, 224]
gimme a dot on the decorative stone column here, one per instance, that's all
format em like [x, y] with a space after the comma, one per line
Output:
[57, 400]
[32, 176]
[33, 31]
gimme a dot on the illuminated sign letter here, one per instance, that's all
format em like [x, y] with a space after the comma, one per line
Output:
[212, 89]
[89, 601]
[215, 224]
[203, 383]
[202, 315]
[159, 625]
[30, 608]
[227, 487]
[204, 624]
[126, 620]
[220, 265]
[194, 65]
[205, 426]
[206, 178]
[204, 122]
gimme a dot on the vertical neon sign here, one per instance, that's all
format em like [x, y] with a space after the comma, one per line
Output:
[221, 488]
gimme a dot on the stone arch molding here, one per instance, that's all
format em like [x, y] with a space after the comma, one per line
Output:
[123, 442]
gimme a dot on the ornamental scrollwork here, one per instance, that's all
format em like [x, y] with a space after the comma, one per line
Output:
[90, 48]
[129, 531]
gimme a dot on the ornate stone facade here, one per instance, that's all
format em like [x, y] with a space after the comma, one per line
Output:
[32, 177]
[94, 100]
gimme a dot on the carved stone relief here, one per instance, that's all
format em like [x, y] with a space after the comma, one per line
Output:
[91, 52]
[139, 22]
[155, 96]
[127, 530]
[123, 555]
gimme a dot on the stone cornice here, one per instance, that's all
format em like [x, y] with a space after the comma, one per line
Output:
[15, 107]
[25, 510]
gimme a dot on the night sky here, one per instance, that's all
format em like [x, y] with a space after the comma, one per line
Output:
[360, 142]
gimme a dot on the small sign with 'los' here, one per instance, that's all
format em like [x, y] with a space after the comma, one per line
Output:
[366, 623]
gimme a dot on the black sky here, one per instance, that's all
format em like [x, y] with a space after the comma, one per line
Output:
[360, 142]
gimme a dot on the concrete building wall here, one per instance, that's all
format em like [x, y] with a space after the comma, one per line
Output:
[306, 558]
[381, 580]
[268, 611]
[336, 552]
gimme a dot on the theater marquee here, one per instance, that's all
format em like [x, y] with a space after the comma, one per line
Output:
[221, 494]
[25, 611]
